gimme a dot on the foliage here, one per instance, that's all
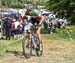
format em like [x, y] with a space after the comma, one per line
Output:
[63, 7]
[20, 3]
[63, 34]
[17, 5]
[13, 3]
[69, 30]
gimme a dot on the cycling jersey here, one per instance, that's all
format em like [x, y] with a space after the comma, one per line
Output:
[36, 16]
[36, 13]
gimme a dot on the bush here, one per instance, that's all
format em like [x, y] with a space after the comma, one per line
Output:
[64, 33]
[72, 20]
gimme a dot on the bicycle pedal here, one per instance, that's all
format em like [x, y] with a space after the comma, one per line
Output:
[37, 49]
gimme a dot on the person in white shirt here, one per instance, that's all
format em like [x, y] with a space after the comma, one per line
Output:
[16, 29]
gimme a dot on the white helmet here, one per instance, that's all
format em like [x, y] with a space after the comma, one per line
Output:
[30, 7]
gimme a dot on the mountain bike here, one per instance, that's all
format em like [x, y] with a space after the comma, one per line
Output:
[31, 44]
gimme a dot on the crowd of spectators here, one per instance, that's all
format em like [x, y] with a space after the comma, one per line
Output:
[10, 27]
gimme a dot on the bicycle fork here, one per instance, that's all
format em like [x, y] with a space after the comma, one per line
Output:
[34, 40]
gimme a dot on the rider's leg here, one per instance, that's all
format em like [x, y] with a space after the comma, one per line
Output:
[38, 33]
[33, 43]
[30, 25]
[30, 34]
[39, 36]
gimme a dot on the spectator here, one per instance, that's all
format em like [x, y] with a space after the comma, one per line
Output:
[16, 29]
[20, 29]
[0, 28]
[7, 26]
[13, 28]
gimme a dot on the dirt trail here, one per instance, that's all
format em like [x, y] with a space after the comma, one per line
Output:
[55, 51]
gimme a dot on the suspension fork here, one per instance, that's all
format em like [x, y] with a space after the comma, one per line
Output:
[34, 41]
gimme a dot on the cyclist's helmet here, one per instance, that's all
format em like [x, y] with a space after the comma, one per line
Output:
[29, 7]
[35, 12]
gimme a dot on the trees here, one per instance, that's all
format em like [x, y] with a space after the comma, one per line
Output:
[12, 3]
[63, 7]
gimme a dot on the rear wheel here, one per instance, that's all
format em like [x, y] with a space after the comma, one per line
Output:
[26, 46]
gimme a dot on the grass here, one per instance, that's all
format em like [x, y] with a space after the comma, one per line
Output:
[8, 45]
[58, 37]
[60, 34]
[59, 48]
[16, 44]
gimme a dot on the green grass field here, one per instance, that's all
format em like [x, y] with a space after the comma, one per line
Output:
[10, 44]
[57, 49]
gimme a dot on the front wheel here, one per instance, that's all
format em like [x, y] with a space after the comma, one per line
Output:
[26, 46]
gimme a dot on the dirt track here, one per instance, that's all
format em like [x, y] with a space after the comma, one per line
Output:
[55, 51]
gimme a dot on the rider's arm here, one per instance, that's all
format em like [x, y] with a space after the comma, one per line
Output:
[41, 20]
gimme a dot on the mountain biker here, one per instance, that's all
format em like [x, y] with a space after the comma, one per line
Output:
[36, 17]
